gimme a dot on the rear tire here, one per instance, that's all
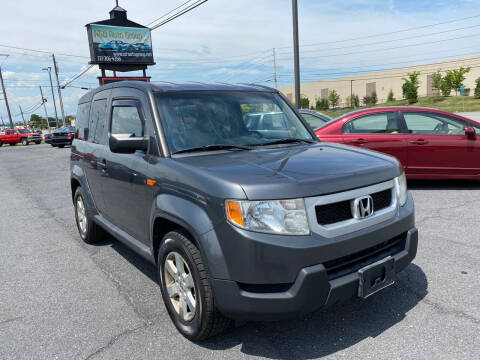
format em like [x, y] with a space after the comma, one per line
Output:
[24, 142]
[88, 230]
[61, 146]
[37, 142]
[13, 144]
[203, 320]
[1, 144]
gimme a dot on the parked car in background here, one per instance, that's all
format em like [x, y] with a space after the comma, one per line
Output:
[246, 215]
[23, 136]
[314, 119]
[61, 137]
[430, 144]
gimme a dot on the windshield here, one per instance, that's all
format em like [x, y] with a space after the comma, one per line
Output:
[202, 119]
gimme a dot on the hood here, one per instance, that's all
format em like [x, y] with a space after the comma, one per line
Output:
[298, 171]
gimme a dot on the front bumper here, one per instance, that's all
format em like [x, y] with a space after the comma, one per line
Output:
[60, 141]
[313, 288]
[263, 276]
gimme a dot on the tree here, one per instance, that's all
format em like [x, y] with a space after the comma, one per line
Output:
[446, 85]
[321, 104]
[410, 87]
[437, 81]
[304, 102]
[374, 98]
[457, 77]
[69, 119]
[477, 89]
[355, 101]
[35, 121]
[390, 96]
[333, 98]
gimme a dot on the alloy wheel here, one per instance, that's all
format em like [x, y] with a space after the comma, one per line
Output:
[180, 286]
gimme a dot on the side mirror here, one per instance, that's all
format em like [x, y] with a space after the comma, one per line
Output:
[470, 132]
[125, 144]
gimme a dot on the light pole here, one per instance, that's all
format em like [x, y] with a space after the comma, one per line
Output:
[49, 69]
[296, 56]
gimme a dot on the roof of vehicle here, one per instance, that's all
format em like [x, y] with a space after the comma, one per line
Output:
[312, 112]
[165, 86]
[404, 107]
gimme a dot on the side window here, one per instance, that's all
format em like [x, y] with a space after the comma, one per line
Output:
[379, 123]
[433, 124]
[313, 121]
[126, 120]
[97, 120]
[81, 123]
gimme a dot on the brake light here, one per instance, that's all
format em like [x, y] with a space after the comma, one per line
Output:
[52, 136]
[70, 135]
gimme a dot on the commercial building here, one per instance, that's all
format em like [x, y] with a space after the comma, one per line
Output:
[383, 81]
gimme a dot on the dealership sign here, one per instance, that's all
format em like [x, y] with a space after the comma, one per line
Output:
[120, 45]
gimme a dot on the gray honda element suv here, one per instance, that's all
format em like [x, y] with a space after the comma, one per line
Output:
[246, 215]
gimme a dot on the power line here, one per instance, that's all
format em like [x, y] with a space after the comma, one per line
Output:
[180, 13]
[388, 33]
[168, 13]
[42, 51]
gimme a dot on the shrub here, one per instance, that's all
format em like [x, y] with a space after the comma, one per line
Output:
[476, 94]
[373, 98]
[410, 87]
[355, 100]
[321, 104]
[367, 100]
[333, 98]
[305, 103]
[390, 96]
[437, 81]
[446, 85]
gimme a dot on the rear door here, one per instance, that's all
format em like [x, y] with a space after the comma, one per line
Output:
[94, 160]
[380, 131]
[437, 145]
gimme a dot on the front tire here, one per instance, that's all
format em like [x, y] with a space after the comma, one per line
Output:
[24, 142]
[186, 290]
[88, 230]
[61, 146]
[37, 142]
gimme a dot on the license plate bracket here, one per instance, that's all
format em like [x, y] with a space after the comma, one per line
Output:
[376, 277]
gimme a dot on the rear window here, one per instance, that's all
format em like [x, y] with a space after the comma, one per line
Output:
[81, 123]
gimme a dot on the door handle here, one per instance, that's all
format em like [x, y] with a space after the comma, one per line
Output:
[360, 141]
[419, 142]
[102, 165]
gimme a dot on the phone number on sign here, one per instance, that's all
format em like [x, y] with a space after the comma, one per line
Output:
[109, 58]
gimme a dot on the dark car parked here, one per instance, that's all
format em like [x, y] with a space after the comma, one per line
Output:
[60, 137]
[242, 223]
[314, 119]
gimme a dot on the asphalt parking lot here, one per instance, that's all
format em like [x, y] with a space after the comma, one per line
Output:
[62, 299]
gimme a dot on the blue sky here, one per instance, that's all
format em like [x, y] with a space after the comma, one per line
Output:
[232, 40]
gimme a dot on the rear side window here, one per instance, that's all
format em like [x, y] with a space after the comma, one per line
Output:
[379, 123]
[81, 123]
[97, 120]
[434, 124]
[126, 120]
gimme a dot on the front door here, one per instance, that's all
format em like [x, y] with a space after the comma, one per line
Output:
[379, 131]
[437, 145]
[127, 195]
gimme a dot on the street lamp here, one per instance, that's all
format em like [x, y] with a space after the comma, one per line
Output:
[49, 69]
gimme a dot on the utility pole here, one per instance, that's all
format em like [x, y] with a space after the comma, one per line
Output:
[49, 69]
[351, 93]
[275, 69]
[44, 107]
[59, 90]
[296, 56]
[6, 100]
[21, 112]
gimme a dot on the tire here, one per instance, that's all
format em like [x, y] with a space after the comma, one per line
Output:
[206, 321]
[13, 144]
[61, 146]
[24, 142]
[53, 145]
[88, 230]
[37, 142]
[1, 144]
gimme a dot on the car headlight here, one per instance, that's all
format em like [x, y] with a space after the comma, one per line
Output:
[401, 189]
[286, 217]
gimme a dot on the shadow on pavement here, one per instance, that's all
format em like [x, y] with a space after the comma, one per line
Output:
[331, 330]
[443, 185]
[321, 333]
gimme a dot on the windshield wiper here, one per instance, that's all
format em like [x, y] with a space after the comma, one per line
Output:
[288, 141]
[213, 147]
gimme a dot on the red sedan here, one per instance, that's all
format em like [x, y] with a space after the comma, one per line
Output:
[430, 144]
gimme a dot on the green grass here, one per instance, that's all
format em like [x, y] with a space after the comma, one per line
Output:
[449, 103]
